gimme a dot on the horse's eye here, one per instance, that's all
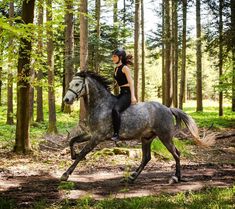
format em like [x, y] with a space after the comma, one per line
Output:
[77, 84]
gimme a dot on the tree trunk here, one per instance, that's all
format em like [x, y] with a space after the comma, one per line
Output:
[175, 52]
[69, 48]
[232, 2]
[31, 96]
[199, 56]
[183, 69]
[22, 143]
[163, 53]
[10, 119]
[220, 55]
[40, 116]
[167, 56]
[50, 61]
[1, 63]
[136, 48]
[115, 22]
[143, 51]
[97, 47]
[83, 50]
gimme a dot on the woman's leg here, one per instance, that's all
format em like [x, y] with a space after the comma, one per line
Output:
[122, 104]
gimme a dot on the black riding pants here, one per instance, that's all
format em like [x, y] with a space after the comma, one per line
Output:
[124, 101]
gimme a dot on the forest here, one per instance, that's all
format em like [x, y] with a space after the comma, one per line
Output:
[184, 57]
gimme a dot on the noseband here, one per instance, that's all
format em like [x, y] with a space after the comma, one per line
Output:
[78, 93]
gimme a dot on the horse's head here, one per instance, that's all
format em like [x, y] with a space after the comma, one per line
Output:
[77, 89]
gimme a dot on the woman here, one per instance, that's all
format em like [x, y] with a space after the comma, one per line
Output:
[123, 78]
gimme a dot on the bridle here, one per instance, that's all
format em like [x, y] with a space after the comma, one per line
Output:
[78, 93]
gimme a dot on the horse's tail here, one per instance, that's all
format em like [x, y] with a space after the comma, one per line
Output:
[191, 125]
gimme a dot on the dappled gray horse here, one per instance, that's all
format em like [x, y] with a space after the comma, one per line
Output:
[144, 121]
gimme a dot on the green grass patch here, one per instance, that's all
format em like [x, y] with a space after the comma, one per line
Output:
[210, 115]
[210, 198]
[7, 203]
[160, 150]
[66, 185]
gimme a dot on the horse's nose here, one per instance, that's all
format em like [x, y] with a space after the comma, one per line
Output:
[66, 100]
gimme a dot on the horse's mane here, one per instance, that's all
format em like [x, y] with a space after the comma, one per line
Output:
[105, 82]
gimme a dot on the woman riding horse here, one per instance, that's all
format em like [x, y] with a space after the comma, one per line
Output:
[126, 97]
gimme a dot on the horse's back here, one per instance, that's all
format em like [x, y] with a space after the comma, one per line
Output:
[151, 116]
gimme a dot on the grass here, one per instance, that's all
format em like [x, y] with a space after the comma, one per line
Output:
[208, 198]
[159, 149]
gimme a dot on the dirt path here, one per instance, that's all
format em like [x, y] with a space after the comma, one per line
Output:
[36, 178]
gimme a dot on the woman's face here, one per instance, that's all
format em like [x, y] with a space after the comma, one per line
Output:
[115, 59]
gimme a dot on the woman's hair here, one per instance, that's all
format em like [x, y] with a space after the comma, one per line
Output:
[126, 59]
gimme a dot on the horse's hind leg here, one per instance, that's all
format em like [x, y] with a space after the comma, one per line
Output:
[146, 157]
[167, 141]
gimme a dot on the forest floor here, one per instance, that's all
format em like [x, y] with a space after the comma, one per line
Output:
[36, 177]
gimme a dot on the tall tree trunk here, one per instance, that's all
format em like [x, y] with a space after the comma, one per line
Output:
[124, 20]
[143, 50]
[50, 61]
[136, 48]
[232, 5]
[22, 142]
[97, 47]
[83, 50]
[69, 48]
[10, 120]
[221, 2]
[167, 55]
[175, 52]
[183, 68]
[115, 22]
[199, 56]
[40, 115]
[31, 96]
[1, 63]
[163, 53]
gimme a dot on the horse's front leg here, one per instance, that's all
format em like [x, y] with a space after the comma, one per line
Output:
[77, 139]
[146, 157]
[92, 143]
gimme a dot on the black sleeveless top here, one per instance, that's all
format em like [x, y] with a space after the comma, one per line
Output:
[120, 77]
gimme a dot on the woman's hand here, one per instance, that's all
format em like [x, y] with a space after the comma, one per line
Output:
[133, 100]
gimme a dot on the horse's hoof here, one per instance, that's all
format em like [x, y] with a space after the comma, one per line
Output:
[173, 180]
[64, 177]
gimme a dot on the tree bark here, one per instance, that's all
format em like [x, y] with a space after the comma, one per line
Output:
[22, 142]
[199, 56]
[183, 68]
[50, 61]
[163, 53]
[10, 119]
[83, 50]
[40, 115]
[143, 51]
[1, 63]
[220, 55]
[168, 99]
[115, 22]
[69, 48]
[175, 52]
[97, 47]
[136, 48]
[232, 5]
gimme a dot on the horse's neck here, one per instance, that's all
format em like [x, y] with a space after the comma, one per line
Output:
[98, 96]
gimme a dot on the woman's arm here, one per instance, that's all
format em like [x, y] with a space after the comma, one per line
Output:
[127, 72]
